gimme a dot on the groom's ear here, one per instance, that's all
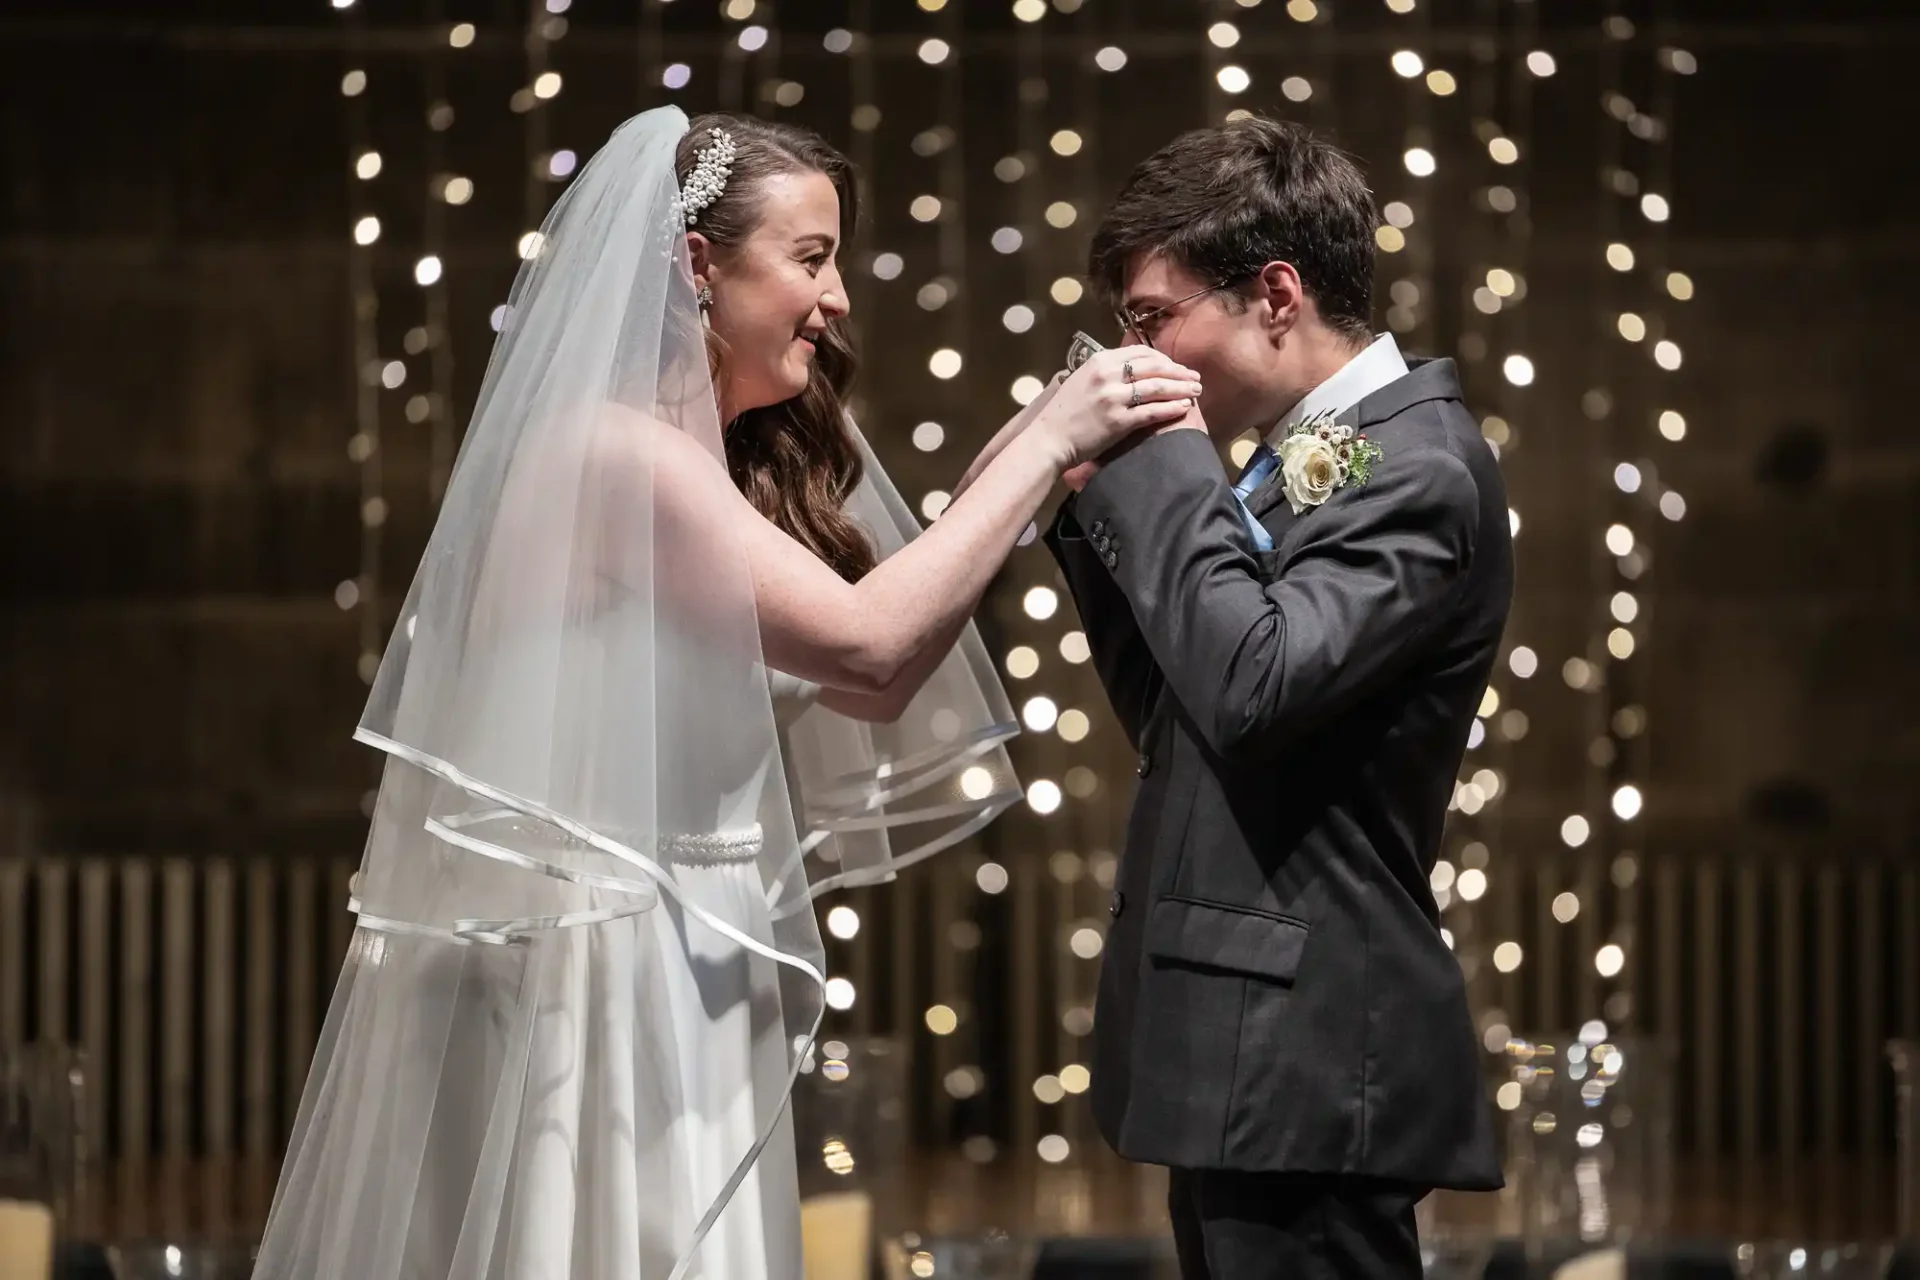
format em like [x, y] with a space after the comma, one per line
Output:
[1278, 291]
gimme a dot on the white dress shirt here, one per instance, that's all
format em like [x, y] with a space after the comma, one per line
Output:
[1379, 364]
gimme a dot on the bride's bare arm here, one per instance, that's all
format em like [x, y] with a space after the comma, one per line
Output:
[890, 703]
[680, 533]
[866, 637]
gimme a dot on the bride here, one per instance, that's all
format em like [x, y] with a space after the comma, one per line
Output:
[677, 658]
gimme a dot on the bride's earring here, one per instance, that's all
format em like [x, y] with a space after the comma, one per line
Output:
[706, 305]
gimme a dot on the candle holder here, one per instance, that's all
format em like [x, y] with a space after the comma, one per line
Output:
[1590, 1141]
[849, 1126]
[28, 1173]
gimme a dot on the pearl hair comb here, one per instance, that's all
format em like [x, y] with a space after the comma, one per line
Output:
[712, 166]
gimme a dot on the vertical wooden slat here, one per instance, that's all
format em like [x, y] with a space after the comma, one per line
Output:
[1634, 924]
[1545, 965]
[298, 1010]
[1910, 953]
[1032, 1024]
[1667, 933]
[1747, 1049]
[96, 993]
[860, 965]
[903, 901]
[13, 950]
[1829, 941]
[1089, 899]
[51, 1004]
[340, 921]
[1588, 932]
[1068, 912]
[136, 1011]
[258, 1134]
[1790, 1048]
[177, 925]
[1870, 1057]
[1706, 1005]
[950, 889]
[218, 905]
[218, 974]
[1507, 882]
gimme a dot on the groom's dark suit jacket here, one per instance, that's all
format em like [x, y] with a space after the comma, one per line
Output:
[1275, 993]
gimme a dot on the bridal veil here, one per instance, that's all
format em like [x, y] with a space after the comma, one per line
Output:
[587, 969]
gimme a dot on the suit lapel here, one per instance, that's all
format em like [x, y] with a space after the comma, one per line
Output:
[1426, 379]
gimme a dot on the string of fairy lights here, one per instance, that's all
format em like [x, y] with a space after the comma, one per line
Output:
[1017, 173]
[1075, 878]
[1082, 883]
[953, 1021]
[360, 595]
[1498, 81]
[1500, 291]
[1410, 293]
[1634, 401]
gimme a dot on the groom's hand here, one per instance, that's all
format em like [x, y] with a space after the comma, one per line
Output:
[1076, 478]
[1114, 395]
[1192, 422]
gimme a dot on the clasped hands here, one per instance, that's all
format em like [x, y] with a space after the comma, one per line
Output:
[1110, 404]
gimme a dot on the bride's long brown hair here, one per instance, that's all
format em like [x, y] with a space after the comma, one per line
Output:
[795, 461]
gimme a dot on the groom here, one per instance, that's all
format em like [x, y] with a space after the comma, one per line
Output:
[1297, 659]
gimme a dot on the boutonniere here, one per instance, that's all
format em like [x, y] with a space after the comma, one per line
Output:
[1318, 456]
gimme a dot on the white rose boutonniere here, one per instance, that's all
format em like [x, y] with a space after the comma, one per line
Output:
[1319, 456]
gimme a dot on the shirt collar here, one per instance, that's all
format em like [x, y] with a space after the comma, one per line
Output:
[1376, 366]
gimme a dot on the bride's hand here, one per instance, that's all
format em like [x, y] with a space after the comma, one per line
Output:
[1111, 396]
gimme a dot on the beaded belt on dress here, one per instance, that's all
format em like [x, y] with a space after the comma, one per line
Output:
[689, 849]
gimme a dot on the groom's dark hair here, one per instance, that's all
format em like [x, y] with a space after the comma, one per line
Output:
[1225, 201]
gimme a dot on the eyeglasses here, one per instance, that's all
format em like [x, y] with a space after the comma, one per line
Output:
[1135, 323]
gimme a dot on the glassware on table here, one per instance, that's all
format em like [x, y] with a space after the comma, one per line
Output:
[1796, 1260]
[178, 1262]
[1906, 1091]
[1590, 1142]
[992, 1256]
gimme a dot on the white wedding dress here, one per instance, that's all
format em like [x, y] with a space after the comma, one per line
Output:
[727, 1067]
[589, 1093]
[587, 970]
[757, 1235]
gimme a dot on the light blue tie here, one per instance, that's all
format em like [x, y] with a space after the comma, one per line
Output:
[1259, 467]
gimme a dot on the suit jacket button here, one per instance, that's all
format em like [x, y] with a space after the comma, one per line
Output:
[1111, 559]
[1101, 542]
[1097, 528]
[1145, 766]
[1118, 904]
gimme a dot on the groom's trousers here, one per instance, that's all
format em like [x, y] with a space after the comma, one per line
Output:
[1230, 1225]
